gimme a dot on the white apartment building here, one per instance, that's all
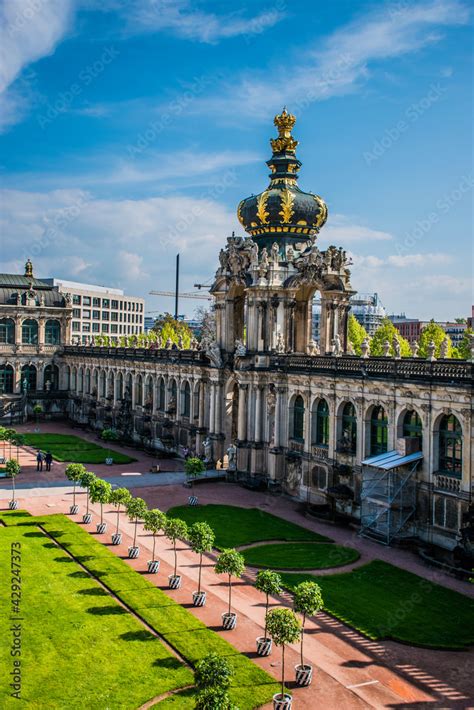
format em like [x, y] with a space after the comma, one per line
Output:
[98, 310]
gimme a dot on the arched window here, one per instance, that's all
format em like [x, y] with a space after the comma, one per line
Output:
[186, 400]
[119, 386]
[6, 379]
[378, 431]
[138, 390]
[348, 441]
[87, 382]
[149, 392]
[412, 425]
[320, 424]
[450, 446]
[28, 378]
[7, 331]
[297, 419]
[73, 379]
[52, 332]
[67, 377]
[51, 375]
[102, 384]
[161, 395]
[29, 332]
[196, 395]
[80, 380]
[173, 390]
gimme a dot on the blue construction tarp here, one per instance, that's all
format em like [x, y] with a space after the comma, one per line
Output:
[392, 459]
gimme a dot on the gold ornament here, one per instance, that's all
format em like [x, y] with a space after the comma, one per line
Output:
[286, 212]
[285, 141]
[262, 214]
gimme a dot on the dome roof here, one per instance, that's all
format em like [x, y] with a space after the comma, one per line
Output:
[283, 212]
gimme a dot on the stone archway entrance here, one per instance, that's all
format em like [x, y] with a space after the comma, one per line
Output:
[231, 413]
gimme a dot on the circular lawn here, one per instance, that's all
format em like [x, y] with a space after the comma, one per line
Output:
[300, 555]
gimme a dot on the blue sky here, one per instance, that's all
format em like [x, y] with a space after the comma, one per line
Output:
[131, 130]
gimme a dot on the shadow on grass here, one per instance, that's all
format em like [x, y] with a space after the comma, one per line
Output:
[107, 610]
[93, 592]
[142, 635]
[34, 534]
[170, 663]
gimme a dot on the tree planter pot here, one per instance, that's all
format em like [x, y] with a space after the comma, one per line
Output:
[229, 620]
[109, 461]
[116, 538]
[101, 528]
[12, 504]
[264, 646]
[73, 510]
[133, 552]
[199, 598]
[153, 566]
[193, 500]
[304, 675]
[282, 703]
[174, 581]
[86, 518]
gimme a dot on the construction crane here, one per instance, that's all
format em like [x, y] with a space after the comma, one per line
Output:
[177, 294]
[199, 296]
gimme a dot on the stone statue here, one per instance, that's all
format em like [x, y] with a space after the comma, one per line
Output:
[253, 253]
[47, 385]
[280, 344]
[213, 352]
[194, 344]
[68, 299]
[41, 300]
[240, 349]
[264, 260]
[223, 260]
[430, 351]
[275, 253]
[365, 348]
[396, 348]
[168, 344]
[443, 349]
[313, 348]
[290, 254]
[471, 347]
[293, 475]
[232, 458]
[180, 342]
[207, 450]
[386, 348]
[350, 348]
[414, 348]
[337, 346]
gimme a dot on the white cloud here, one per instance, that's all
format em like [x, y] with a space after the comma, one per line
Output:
[343, 62]
[188, 22]
[402, 262]
[29, 30]
[341, 230]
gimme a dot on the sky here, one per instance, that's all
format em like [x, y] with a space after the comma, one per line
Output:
[131, 129]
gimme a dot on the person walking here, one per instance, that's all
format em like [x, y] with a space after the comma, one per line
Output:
[39, 461]
[48, 460]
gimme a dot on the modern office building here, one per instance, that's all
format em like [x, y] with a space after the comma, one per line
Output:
[367, 309]
[98, 310]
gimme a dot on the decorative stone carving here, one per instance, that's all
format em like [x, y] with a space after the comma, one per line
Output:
[430, 351]
[365, 348]
[275, 253]
[240, 349]
[386, 348]
[213, 352]
[313, 348]
[280, 344]
[350, 348]
[443, 349]
[232, 458]
[396, 348]
[414, 348]
[207, 450]
[293, 475]
[337, 346]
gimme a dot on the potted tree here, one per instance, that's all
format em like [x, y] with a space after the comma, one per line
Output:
[175, 529]
[268, 582]
[18, 440]
[232, 563]
[136, 509]
[201, 539]
[100, 492]
[284, 628]
[193, 468]
[155, 521]
[212, 678]
[307, 601]
[73, 473]
[120, 496]
[85, 481]
[12, 467]
[37, 411]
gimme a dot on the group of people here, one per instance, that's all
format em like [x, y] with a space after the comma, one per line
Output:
[46, 458]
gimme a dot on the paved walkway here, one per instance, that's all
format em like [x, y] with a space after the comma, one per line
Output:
[350, 670]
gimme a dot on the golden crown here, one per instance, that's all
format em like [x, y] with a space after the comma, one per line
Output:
[285, 141]
[284, 122]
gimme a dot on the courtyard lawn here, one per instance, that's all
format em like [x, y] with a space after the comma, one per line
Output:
[79, 647]
[73, 449]
[384, 601]
[251, 686]
[300, 555]
[235, 526]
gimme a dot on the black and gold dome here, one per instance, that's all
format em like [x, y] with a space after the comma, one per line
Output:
[283, 212]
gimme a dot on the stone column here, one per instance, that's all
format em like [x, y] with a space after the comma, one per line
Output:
[217, 408]
[41, 332]
[279, 417]
[17, 378]
[212, 408]
[258, 413]
[18, 330]
[202, 411]
[242, 418]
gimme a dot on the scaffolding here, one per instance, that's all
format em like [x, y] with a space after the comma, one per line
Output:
[388, 495]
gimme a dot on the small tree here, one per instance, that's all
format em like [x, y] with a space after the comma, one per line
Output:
[86, 479]
[110, 435]
[193, 468]
[155, 520]
[18, 440]
[37, 411]
[100, 492]
[73, 473]
[464, 347]
[201, 539]
[213, 671]
[268, 582]
[213, 699]
[12, 467]
[175, 529]
[356, 333]
[232, 563]
[284, 628]
[387, 331]
[307, 601]
[118, 497]
[136, 509]
[433, 332]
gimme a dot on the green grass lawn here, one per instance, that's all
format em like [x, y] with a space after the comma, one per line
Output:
[383, 601]
[235, 526]
[300, 555]
[251, 687]
[73, 449]
[79, 647]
